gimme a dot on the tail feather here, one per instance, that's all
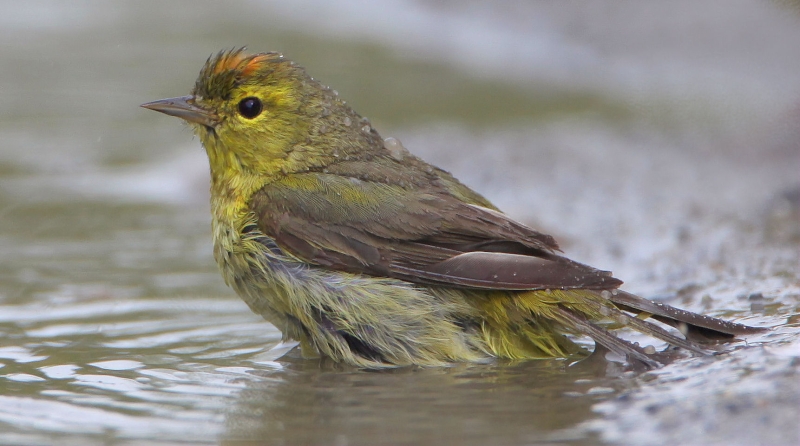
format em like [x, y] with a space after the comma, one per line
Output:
[694, 326]
[656, 332]
[607, 339]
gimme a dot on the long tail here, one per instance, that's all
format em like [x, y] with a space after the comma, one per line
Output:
[697, 329]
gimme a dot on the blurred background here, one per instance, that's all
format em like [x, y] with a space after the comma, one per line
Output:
[657, 140]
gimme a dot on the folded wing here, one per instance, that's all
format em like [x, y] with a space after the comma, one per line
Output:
[423, 236]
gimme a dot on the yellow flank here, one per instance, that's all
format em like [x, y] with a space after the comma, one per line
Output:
[363, 252]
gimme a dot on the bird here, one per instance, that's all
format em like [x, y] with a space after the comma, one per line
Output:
[364, 253]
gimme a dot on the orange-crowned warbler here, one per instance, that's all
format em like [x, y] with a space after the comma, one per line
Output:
[369, 255]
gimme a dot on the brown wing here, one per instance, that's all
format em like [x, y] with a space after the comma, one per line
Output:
[421, 233]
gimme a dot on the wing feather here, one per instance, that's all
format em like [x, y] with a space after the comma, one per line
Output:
[419, 235]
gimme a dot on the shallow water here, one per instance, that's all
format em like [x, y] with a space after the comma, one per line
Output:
[661, 146]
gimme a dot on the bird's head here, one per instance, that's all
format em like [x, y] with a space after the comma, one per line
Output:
[262, 115]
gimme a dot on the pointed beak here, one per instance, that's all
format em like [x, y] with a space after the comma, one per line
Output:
[184, 107]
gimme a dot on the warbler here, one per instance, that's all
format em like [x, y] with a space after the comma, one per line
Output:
[366, 254]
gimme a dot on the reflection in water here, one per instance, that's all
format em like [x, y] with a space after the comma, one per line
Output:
[318, 402]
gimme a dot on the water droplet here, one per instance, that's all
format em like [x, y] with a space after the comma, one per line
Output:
[335, 93]
[650, 350]
[348, 122]
[366, 129]
[606, 294]
[395, 148]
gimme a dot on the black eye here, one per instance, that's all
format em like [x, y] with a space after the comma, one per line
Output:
[250, 107]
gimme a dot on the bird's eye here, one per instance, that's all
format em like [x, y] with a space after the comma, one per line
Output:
[250, 107]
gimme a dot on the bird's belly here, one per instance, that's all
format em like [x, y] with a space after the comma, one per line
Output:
[259, 276]
[360, 319]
